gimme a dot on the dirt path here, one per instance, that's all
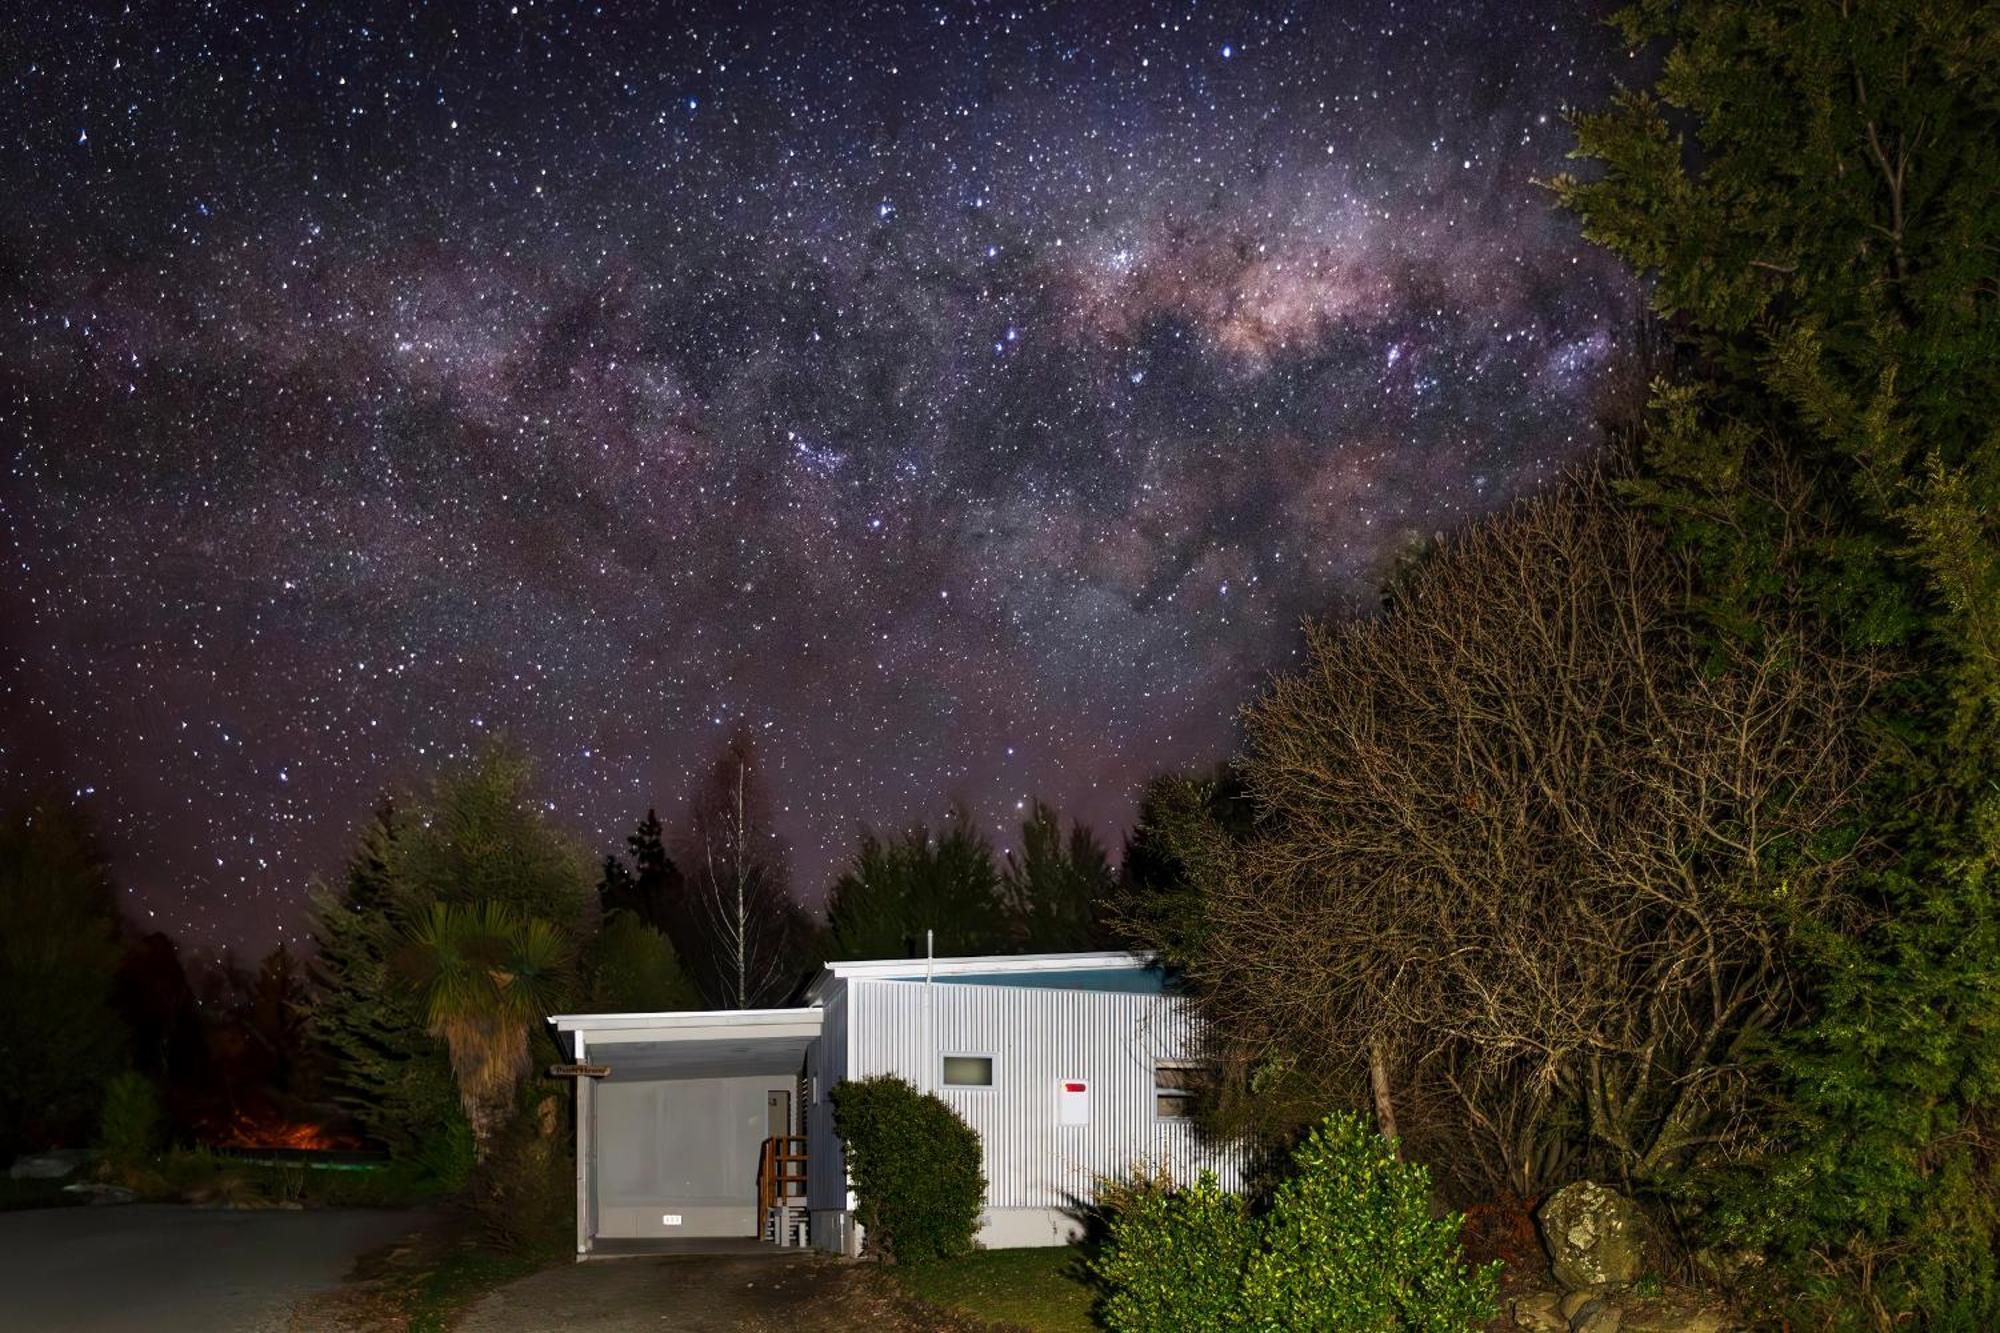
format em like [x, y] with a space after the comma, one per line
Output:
[695, 1295]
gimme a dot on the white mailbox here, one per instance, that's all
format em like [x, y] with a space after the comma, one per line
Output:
[1072, 1102]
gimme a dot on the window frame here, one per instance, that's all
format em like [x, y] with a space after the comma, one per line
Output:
[992, 1071]
[1184, 1095]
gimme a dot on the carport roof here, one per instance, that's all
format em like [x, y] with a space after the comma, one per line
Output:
[700, 1044]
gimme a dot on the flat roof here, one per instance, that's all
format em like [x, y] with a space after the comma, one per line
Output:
[984, 965]
[699, 1024]
[692, 1023]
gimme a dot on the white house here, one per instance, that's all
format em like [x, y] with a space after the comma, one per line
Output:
[718, 1124]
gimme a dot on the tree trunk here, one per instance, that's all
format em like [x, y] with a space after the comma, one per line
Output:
[1378, 1083]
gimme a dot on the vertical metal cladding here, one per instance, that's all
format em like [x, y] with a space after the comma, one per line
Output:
[826, 1173]
[1039, 1038]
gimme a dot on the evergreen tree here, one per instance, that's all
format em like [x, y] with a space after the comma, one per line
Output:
[60, 1037]
[898, 888]
[633, 969]
[384, 1067]
[476, 839]
[1055, 886]
[1827, 252]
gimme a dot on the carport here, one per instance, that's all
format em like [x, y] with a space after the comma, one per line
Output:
[675, 1115]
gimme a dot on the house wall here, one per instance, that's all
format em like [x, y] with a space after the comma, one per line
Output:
[1037, 1171]
[826, 1065]
[679, 1146]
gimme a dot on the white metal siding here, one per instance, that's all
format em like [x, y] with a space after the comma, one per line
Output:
[1038, 1038]
[826, 1173]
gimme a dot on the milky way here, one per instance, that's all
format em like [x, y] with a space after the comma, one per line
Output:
[968, 400]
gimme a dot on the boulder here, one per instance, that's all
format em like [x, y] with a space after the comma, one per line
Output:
[47, 1165]
[1539, 1311]
[1669, 1320]
[1597, 1316]
[94, 1192]
[1595, 1236]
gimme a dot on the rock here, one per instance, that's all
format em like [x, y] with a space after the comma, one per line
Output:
[1677, 1321]
[1596, 1315]
[1595, 1236]
[1575, 1301]
[96, 1193]
[1538, 1310]
[47, 1165]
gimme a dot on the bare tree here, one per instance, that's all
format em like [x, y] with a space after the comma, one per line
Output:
[1531, 855]
[743, 913]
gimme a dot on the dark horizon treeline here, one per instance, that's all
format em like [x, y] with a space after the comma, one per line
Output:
[86, 992]
[698, 915]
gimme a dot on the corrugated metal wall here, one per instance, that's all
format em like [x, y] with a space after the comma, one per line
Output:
[1037, 1039]
[827, 1057]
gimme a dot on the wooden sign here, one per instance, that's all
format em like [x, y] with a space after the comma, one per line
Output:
[579, 1071]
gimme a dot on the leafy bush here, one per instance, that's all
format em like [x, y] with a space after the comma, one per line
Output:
[1348, 1242]
[915, 1168]
[129, 1126]
[1174, 1259]
[444, 1158]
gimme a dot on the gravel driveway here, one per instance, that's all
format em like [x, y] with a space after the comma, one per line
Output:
[177, 1270]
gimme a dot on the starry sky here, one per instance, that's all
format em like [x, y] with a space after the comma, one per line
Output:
[967, 400]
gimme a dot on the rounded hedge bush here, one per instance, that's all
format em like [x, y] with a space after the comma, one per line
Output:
[914, 1167]
[1347, 1243]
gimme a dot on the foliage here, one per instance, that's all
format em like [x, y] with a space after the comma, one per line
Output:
[1529, 857]
[385, 1068]
[476, 841]
[897, 888]
[60, 1036]
[486, 977]
[479, 836]
[1046, 898]
[1827, 251]
[915, 1167]
[523, 1194]
[633, 969]
[445, 1157]
[129, 1127]
[1056, 886]
[1175, 1260]
[1347, 1242]
[651, 888]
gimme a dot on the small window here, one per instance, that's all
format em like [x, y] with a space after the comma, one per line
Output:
[1174, 1088]
[968, 1071]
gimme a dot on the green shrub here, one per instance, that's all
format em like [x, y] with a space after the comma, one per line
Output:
[1173, 1260]
[444, 1158]
[128, 1132]
[1348, 1243]
[915, 1169]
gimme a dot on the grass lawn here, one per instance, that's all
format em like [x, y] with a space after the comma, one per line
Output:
[1041, 1290]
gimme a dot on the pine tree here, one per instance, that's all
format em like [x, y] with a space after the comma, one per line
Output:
[1827, 253]
[384, 1067]
[898, 889]
[1056, 886]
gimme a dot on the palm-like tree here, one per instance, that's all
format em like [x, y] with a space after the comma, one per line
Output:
[486, 975]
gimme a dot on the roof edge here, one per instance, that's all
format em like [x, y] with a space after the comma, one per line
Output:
[674, 1018]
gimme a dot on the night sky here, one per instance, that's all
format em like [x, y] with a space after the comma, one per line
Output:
[968, 400]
